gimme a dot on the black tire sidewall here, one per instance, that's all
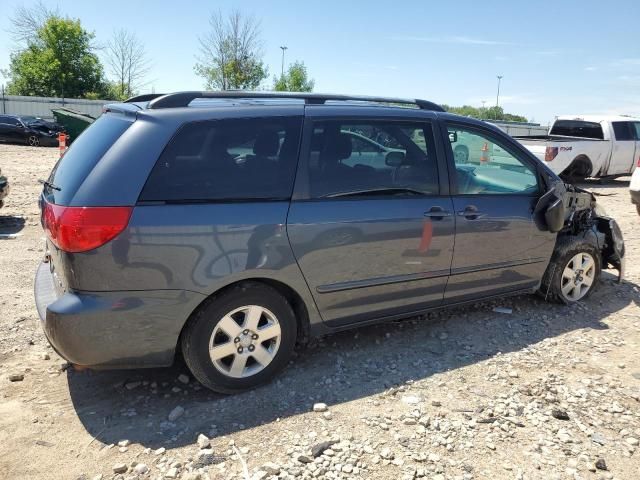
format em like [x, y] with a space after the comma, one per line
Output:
[564, 253]
[195, 340]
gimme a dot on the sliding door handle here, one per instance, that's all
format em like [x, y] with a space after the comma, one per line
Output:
[470, 212]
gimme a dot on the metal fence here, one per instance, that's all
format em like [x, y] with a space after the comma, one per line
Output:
[41, 106]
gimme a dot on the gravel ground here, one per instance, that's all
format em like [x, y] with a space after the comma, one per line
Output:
[544, 392]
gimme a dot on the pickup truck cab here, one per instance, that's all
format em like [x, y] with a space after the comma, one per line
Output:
[588, 146]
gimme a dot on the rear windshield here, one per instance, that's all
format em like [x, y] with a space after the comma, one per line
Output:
[577, 128]
[72, 169]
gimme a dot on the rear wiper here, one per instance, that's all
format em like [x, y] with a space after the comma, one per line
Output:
[375, 191]
[49, 185]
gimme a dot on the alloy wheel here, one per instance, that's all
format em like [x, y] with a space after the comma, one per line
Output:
[245, 341]
[34, 141]
[578, 276]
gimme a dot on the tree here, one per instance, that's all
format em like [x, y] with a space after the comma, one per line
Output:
[26, 22]
[58, 61]
[491, 113]
[128, 63]
[231, 53]
[294, 80]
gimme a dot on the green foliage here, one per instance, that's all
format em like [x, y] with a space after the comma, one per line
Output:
[233, 75]
[231, 53]
[294, 80]
[491, 113]
[58, 61]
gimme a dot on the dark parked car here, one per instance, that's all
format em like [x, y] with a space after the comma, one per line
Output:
[4, 188]
[29, 130]
[230, 226]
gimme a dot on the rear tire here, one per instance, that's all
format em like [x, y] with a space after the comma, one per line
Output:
[33, 141]
[240, 338]
[638, 209]
[578, 171]
[573, 272]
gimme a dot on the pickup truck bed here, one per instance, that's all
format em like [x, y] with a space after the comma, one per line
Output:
[588, 146]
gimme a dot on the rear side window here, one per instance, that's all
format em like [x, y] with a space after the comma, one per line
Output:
[623, 130]
[376, 158]
[577, 128]
[227, 160]
[83, 155]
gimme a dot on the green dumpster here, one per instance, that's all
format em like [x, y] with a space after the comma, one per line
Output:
[74, 122]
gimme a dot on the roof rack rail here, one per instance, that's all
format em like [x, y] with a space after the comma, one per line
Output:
[144, 97]
[183, 99]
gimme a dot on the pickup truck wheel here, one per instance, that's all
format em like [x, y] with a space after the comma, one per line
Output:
[240, 339]
[573, 272]
[578, 171]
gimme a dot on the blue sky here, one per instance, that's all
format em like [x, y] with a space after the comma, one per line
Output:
[557, 57]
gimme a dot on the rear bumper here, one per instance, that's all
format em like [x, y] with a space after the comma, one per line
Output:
[635, 196]
[112, 329]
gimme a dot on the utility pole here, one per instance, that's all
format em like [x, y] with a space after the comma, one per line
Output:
[499, 77]
[483, 109]
[283, 50]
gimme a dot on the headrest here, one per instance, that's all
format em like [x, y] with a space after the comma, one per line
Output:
[267, 144]
[338, 149]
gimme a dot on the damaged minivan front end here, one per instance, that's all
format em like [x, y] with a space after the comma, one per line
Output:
[574, 212]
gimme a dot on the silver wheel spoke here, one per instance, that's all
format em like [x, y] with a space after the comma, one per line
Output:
[269, 332]
[568, 288]
[221, 351]
[252, 318]
[238, 364]
[587, 280]
[568, 274]
[262, 355]
[229, 326]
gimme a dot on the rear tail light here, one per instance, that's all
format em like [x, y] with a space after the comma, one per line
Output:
[550, 153]
[79, 229]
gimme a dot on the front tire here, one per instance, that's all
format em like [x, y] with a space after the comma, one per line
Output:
[34, 141]
[240, 339]
[573, 272]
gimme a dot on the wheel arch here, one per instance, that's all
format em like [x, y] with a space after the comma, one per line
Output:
[295, 299]
[580, 166]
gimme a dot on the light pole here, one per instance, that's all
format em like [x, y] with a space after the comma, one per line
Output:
[283, 50]
[499, 77]
[483, 107]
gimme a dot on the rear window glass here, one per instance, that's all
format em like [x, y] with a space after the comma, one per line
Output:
[227, 160]
[83, 155]
[577, 128]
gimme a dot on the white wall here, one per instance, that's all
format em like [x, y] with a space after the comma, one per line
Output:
[41, 106]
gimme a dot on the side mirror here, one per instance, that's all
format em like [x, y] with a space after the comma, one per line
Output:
[554, 216]
[549, 213]
[453, 137]
[394, 159]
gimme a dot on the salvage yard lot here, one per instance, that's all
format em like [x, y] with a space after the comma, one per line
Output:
[543, 392]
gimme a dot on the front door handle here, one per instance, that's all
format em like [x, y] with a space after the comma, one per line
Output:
[437, 213]
[470, 212]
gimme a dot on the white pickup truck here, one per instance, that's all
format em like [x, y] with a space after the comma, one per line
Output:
[589, 146]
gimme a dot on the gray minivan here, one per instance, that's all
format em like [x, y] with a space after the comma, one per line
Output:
[229, 226]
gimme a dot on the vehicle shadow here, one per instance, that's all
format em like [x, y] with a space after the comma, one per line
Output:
[134, 404]
[10, 225]
[604, 183]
